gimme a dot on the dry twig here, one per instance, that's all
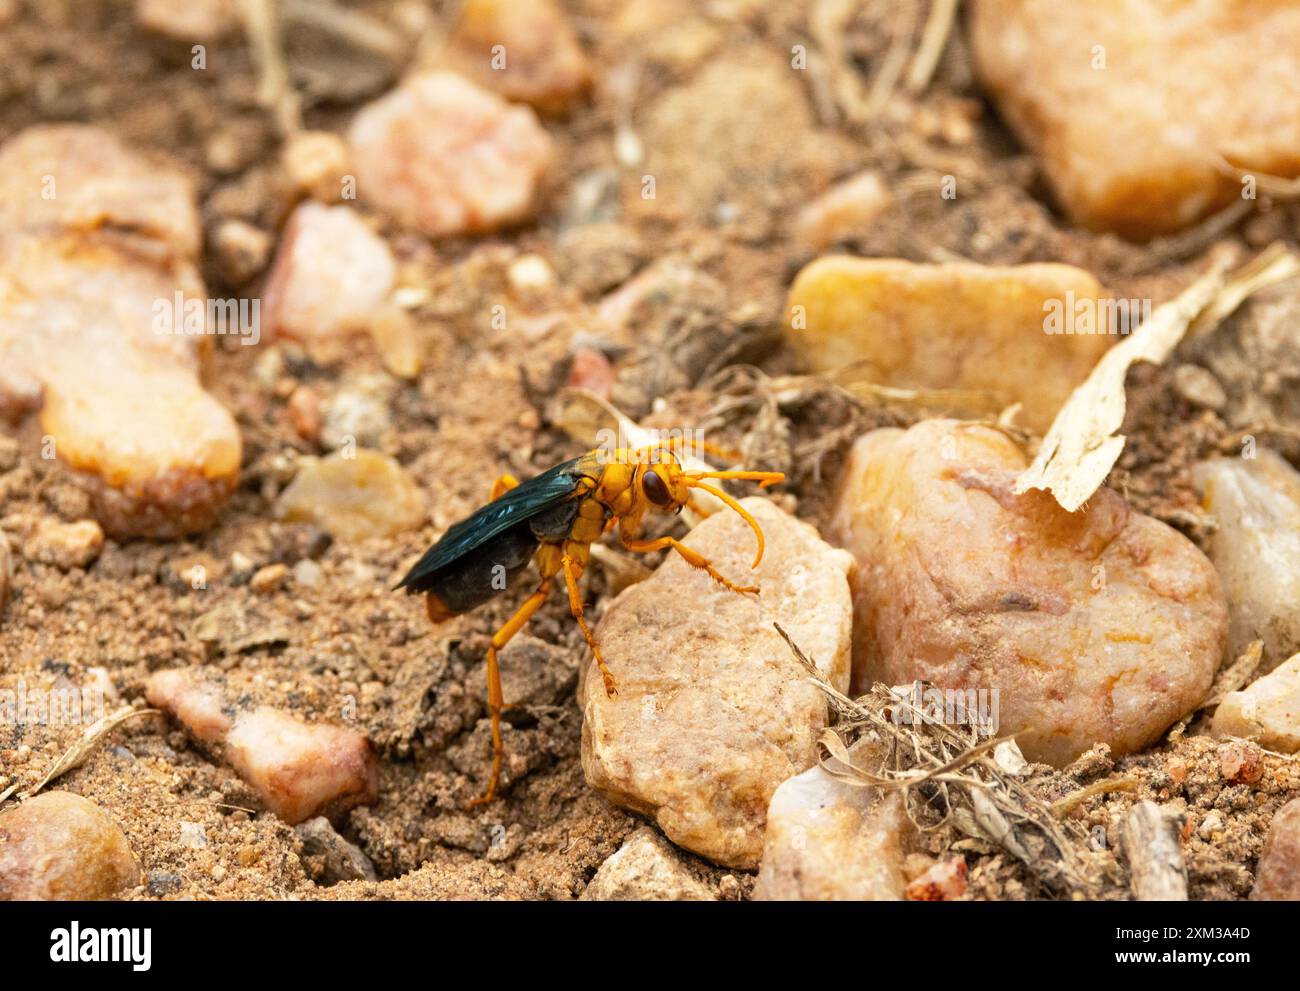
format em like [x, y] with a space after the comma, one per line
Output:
[950, 780]
[76, 755]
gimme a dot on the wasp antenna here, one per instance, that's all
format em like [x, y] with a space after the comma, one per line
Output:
[764, 478]
[694, 482]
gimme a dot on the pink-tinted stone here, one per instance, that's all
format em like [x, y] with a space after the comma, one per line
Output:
[442, 156]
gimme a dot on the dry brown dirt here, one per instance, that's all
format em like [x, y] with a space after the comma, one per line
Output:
[723, 119]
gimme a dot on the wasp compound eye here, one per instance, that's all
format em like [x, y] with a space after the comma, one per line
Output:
[655, 489]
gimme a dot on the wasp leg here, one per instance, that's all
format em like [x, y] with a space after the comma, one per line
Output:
[503, 485]
[499, 639]
[693, 558]
[571, 572]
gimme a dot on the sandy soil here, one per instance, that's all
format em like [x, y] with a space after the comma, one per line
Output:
[483, 406]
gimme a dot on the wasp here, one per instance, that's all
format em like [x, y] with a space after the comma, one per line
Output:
[554, 518]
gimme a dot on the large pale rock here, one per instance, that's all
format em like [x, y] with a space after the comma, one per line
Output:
[831, 841]
[713, 711]
[1277, 876]
[299, 770]
[60, 847]
[102, 317]
[525, 50]
[1256, 549]
[1267, 711]
[645, 868]
[442, 156]
[1129, 103]
[76, 178]
[1097, 626]
[1004, 331]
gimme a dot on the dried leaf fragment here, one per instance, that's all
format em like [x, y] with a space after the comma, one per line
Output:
[1082, 445]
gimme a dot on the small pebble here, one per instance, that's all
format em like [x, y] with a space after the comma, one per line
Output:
[393, 331]
[847, 208]
[943, 882]
[830, 841]
[270, 578]
[1241, 763]
[531, 278]
[189, 21]
[317, 164]
[328, 857]
[1199, 387]
[368, 495]
[307, 573]
[66, 545]
[304, 411]
[1211, 825]
[442, 156]
[592, 371]
[299, 770]
[359, 414]
[121, 397]
[195, 571]
[1266, 712]
[1277, 877]
[1122, 126]
[330, 276]
[192, 835]
[645, 868]
[163, 883]
[59, 847]
[1027, 333]
[538, 61]
[240, 250]
[1256, 549]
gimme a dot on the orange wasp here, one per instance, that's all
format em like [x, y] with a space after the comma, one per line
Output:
[555, 517]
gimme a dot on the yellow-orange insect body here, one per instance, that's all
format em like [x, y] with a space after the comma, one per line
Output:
[553, 519]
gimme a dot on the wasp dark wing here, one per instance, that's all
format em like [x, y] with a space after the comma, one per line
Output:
[524, 501]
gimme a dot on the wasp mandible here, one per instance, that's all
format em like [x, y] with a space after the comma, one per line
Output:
[555, 517]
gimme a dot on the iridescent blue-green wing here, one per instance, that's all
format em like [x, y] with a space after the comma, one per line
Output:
[521, 503]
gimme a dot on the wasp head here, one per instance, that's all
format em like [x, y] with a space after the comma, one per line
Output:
[665, 487]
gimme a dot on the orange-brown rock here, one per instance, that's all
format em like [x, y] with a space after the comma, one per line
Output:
[1132, 105]
[298, 769]
[1101, 626]
[60, 847]
[1023, 333]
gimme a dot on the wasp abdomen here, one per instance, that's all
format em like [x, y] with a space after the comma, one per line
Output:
[474, 577]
